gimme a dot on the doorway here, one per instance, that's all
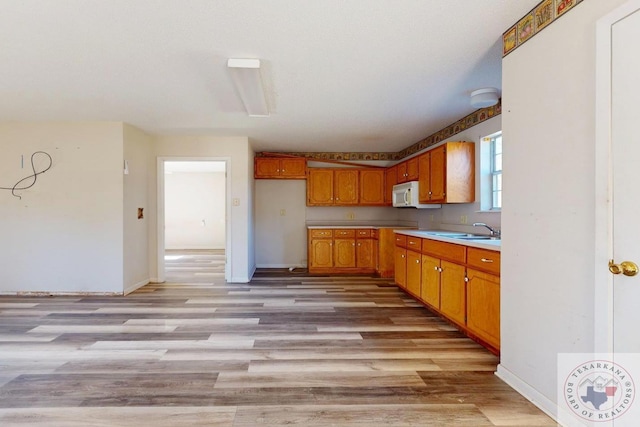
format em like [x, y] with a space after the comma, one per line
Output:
[193, 220]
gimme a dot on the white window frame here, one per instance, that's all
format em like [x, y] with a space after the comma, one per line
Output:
[495, 173]
[486, 165]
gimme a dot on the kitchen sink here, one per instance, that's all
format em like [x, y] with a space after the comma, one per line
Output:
[475, 237]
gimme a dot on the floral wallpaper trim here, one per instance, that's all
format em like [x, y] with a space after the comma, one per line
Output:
[535, 21]
[466, 122]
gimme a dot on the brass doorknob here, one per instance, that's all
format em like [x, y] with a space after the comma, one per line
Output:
[628, 268]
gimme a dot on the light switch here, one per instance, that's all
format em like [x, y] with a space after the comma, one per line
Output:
[236, 202]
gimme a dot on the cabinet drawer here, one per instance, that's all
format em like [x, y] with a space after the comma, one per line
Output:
[363, 233]
[401, 240]
[414, 243]
[344, 233]
[443, 250]
[483, 259]
[322, 233]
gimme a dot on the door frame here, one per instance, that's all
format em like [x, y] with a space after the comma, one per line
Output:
[161, 215]
[603, 280]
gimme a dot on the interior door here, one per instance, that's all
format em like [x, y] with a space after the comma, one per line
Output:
[625, 155]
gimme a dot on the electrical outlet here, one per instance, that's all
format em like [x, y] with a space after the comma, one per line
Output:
[236, 202]
[463, 219]
[431, 217]
[351, 215]
[283, 212]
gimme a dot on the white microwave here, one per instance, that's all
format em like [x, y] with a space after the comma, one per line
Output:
[406, 195]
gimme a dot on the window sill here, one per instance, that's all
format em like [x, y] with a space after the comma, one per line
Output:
[489, 211]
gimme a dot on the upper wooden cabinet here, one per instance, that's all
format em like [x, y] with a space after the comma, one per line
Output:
[391, 179]
[408, 170]
[345, 187]
[372, 183]
[447, 173]
[280, 168]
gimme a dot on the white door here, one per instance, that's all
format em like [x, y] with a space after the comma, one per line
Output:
[625, 174]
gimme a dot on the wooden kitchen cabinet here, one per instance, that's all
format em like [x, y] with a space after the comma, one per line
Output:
[280, 168]
[483, 306]
[391, 179]
[408, 170]
[430, 282]
[344, 248]
[320, 249]
[320, 187]
[413, 272]
[345, 186]
[366, 249]
[453, 296]
[371, 183]
[447, 173]
[401, 267]
[332, 187]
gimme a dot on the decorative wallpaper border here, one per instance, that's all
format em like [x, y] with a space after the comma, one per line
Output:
[466, 122]
[535, 21]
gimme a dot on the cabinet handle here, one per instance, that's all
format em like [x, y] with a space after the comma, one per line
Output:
[486, 260]
[359, 244]
[435, 268]
[353, 244]
[417, 261]
[282, 170]
[402, 255]
[466, 279]
[440, 269]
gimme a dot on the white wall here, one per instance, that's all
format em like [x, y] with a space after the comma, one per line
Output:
[548, 210]
[195, 210]
[137, 149]
[65, 234]
[241, 250]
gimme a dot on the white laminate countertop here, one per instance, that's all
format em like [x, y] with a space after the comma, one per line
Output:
[492, 245]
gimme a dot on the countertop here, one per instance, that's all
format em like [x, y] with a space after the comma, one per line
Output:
[492, 245]
[358, 226]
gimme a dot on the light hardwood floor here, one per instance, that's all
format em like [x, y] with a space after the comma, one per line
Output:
[285, 349]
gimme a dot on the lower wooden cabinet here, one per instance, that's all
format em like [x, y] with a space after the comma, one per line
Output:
[483, 306]
[460, 283]
[342, 250]
[453, 301]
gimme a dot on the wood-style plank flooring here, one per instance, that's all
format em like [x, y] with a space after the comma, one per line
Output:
[285, 349]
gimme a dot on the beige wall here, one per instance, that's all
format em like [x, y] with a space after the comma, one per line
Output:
[65, 234]
[548, 215]
[137, 153]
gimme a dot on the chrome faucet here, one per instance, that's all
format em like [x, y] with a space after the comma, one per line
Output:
[494, 232]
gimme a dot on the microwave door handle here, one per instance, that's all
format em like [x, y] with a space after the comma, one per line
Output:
[406, 197]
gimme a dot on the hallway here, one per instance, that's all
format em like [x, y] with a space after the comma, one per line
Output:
[194, 266]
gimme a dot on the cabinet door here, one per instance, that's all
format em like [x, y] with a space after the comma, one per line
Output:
[402, 172]
[346, 187]
[320, 187]
[321, 253]
[424, 179]
[430, 283]
[414, 272]
[412, 169]
[266, 167]
[452, 292]
[483, 306]
[401, 267]
[391, 179]
[365, 253]
[372, 187]
[293, 168]
[438, 174]
[344, 253]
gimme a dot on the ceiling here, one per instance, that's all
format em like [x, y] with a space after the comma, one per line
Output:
[354, 75]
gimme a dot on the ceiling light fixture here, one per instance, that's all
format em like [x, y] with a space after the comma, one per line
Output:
[246, 76]
[483, 98]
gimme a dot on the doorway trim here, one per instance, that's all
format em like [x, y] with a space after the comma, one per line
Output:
[603, 280]
[161, 214]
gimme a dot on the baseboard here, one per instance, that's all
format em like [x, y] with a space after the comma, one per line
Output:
[60, 293]
[281, 266]
[534, 396]
[135, 286]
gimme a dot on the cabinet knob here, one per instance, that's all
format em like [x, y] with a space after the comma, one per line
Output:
[435, 268]
[440, 269]
[486, 260]
[402, 255]
[466, 279]
[359, 244]
[417, 261]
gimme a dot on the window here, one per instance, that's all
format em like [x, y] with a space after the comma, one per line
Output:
[496, 171]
